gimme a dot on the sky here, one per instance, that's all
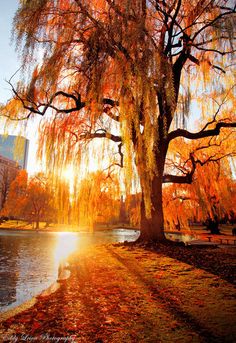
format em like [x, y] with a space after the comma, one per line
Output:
[8, 56]
[9, 64]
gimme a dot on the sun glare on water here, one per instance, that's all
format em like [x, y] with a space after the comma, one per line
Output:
[66, 244]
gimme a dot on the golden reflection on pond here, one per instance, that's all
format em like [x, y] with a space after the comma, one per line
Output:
[66, 244]
[31, 261]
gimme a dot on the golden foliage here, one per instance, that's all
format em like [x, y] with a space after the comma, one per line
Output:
[96, 199]
[133, 52]
[30, 199]
[211, 195]
[212, 192]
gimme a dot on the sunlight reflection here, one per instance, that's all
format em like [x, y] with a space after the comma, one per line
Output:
[65, 245]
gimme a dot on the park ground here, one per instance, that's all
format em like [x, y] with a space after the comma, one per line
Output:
[128, 293]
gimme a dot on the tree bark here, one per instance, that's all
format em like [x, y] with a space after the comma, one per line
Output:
[37, 224]
[152, 229]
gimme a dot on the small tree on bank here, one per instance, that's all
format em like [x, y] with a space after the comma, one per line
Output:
[29, 200]
[40, 202]
[126, 71]
[15, 202]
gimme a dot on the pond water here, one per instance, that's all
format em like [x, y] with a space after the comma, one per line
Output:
[29, 261]
[180, 237]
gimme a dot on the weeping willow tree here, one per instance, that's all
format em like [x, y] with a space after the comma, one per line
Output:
[96, 200]
[62, 200]
[129, 72]
[211, 196]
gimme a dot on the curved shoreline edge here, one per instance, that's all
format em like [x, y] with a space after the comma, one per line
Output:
[63, 274]
[16, 310]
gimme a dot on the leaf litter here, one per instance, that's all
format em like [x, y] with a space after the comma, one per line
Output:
[132, 294]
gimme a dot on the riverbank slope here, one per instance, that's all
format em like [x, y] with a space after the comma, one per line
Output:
[124, 293]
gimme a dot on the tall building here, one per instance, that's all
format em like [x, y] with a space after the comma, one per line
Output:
[15, 148]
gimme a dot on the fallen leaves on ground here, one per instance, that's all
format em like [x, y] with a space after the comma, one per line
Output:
[128, 294]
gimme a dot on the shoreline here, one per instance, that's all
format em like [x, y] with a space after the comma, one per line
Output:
[18, 309]
[35, 231]
[95, 302]
[67, 229]
[63, 275]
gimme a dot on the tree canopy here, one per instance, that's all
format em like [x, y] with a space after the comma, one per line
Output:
[30, 199]
[211, 196]
[131, 72]
[96, 200]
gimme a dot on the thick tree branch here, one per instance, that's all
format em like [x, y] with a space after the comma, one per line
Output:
[171, 26]
[179, 63]
[41, 108]
[168, 178]
[187, 178]
[108, 109]
[201, 134]
[93, 135]
[113, 103]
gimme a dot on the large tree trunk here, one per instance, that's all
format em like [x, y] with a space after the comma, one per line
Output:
[152, 226]
[152, 229]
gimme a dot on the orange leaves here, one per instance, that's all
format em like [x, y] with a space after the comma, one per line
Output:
[63, 5]
[16, 196]
[12, 108]
[139, 54]
[36, 326]
[205, 68]
[29, 199]
[32, 91]
[98, 199]
[211, 194]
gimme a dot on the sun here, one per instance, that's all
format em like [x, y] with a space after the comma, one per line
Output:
[68, 173]
[66, 245]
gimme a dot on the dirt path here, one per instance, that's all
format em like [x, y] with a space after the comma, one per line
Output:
[118, 294]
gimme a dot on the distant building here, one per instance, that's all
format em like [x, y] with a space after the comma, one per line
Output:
[15, 148]
[8, 172]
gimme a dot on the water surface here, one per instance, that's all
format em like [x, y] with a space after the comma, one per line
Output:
[29, 261]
